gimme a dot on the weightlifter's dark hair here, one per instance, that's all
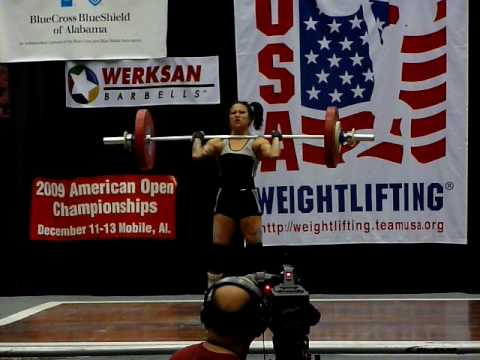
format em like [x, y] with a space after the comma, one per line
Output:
[255, 112]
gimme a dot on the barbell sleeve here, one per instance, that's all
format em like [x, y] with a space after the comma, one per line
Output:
[360, 136]
[126, 140]
[114, 140]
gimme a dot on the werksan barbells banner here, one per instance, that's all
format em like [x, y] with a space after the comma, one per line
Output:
[39, 30]
[397, 69]
[166, 81]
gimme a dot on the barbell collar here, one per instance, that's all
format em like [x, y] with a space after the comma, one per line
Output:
[128, 141]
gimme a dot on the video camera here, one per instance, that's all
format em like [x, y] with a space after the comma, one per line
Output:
[290, 313]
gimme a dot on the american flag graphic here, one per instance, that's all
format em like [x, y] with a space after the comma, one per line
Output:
[337, 69]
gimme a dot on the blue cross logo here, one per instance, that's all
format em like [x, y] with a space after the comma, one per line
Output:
[69, 3]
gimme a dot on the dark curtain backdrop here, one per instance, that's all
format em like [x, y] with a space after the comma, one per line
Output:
[44, 138]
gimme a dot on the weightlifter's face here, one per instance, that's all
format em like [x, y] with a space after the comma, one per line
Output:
[238, 117]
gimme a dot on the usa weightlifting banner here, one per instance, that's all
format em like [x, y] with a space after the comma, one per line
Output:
[103, 208]
[397, 69]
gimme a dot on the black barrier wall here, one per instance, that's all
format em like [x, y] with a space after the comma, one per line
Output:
[45, 139]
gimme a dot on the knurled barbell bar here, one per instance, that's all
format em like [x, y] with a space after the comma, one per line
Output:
[144, 139]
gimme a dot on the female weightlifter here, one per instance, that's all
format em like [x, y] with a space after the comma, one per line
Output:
[237, 197]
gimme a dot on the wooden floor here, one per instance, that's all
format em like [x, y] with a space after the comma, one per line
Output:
[347, 322]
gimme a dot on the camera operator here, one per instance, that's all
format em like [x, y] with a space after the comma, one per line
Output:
[234, 314]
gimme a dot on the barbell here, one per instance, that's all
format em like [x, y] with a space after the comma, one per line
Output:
[144, 139]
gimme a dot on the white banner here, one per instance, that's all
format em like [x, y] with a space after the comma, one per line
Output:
[167, 81]
[397, 69]
[39, 30]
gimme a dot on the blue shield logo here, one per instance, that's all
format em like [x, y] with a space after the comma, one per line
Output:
[95, 2]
